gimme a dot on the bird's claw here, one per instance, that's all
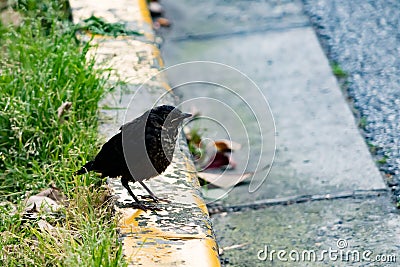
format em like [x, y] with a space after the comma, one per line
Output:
[139, 206]
[143, 207]
[155, 199]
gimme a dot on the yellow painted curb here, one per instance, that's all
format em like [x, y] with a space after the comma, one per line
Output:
[187, 239]
[146, 18]
[156, 52]
[145, 12]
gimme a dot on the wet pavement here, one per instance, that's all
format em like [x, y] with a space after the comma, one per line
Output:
[319, 149]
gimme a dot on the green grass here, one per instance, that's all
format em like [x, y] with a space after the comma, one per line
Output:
[362, 123]
[372, 148]
[338, 71]
[382, 160]
[42, 66]
[194, 142]
[96, 25]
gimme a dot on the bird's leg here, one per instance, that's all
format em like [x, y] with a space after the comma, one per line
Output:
[154, 197]
[125, 184]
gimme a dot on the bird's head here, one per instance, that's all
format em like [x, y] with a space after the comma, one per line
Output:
[171, 116]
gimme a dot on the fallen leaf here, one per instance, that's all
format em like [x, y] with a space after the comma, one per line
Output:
[62, 110]
[40, 203]
[163, 22]
[216, 154]
[227, 145]
[54, 193]
[221, 160]
[224, 180]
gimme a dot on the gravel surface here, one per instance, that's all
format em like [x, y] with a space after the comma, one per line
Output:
[363, 37]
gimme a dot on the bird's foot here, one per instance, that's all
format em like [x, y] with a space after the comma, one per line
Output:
[164, 200]
[155, 199]
[141, 206]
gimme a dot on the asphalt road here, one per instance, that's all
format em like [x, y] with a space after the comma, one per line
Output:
[363, 37]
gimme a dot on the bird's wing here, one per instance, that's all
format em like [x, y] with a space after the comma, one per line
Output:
[110, 159]
[136, 149]
[128, 146]
[136, 122]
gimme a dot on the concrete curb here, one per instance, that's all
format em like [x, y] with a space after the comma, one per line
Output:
[180, 234]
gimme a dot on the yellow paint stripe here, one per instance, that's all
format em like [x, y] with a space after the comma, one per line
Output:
[146, 17]
[144, 11]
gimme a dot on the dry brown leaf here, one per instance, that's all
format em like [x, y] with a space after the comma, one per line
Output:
[54, 193]
[225, 144]
[63, 109]
[163, 22]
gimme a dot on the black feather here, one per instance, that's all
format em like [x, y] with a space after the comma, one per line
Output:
[141, 150]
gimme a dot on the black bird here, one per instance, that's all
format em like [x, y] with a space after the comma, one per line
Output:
[141, 150]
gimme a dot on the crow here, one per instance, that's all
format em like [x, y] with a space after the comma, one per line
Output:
[141, 150]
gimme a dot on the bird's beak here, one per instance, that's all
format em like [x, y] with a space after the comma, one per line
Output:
[182, 117]
[185, 115]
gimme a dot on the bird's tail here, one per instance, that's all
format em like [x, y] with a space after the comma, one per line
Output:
[85, 168]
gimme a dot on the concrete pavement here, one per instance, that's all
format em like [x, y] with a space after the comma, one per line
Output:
[319, 149]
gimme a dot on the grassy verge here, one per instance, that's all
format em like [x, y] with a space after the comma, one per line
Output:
[42, 66]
